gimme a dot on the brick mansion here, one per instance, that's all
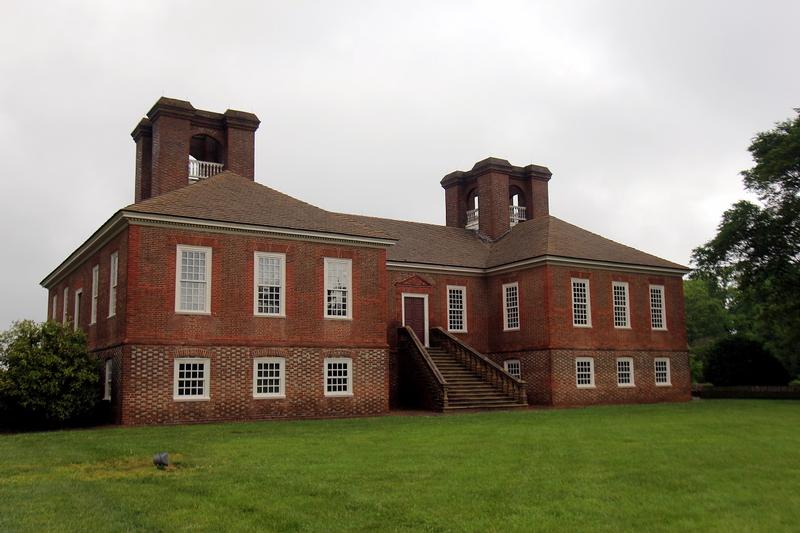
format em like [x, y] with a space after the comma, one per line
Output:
[215, 297]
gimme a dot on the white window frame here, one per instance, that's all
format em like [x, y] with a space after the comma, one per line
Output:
[506, 308]
[662, 311]
[328, 360]
[178, 263]
[625, 287]
[108, 379]
[113, 276]
[573, 282]
[281, 361]
[55, 307]
[591, 384]
[349, 291]
[257, 256]
[64, 305]
[206, 379]
[76, 315]
[509, 362]
[657, 360]
[95, 292]
[463, 290]
[629, 360]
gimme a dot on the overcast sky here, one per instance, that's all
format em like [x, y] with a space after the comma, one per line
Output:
[643, 111]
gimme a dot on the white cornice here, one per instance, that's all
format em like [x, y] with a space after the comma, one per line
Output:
[544, 259]
[120, 219]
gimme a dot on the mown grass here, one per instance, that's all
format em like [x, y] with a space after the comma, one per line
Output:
[719, 465]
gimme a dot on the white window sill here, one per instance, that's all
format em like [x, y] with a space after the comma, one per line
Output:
[622, 327]
[199, 313]
[586, 386]
[581, 325]
[269, 396]
[659, 329]
[457, 331]
[338, 318]
[663, 384]
[266, 315]
[510, 329]
[338, 394]
[191, 398]
[626, 385]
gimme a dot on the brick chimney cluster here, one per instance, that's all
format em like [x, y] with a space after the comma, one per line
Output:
[497, 185]
[175, 132]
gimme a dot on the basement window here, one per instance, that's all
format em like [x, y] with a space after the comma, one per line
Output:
[581, 305]
[457, 309]
[625, 372]
[268, 377]
[584, 372]
[192, 378]
[338, 376]
[513, 367]
[662, 371]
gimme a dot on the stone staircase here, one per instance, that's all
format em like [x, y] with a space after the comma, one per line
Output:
[465, 389]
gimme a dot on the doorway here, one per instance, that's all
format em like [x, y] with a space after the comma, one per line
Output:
[415, 314]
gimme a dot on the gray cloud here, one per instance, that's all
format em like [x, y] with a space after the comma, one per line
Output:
[642, 110]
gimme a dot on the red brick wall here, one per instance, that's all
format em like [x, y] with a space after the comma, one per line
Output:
[148, 393]
[108, 331]
[493, 204]
[152, 316]
[241, 152]
[534, 296]
[603, 335]
[565, 392]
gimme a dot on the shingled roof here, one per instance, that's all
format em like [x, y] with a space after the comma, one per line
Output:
[228, 197]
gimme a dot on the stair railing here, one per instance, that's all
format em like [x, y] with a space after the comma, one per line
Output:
[481, 365]
[433, 381]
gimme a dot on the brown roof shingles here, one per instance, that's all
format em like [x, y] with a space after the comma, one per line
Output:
[228, 197]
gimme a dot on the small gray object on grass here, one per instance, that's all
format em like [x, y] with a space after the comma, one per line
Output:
[161, 460]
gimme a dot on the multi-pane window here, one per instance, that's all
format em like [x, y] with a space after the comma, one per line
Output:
[270, 275]
[657, 319]
[192, 379]
[581, 306]
[55, 305]
[619, 290]
[513, 367]
[625, 372]
[107, 382]
[112, 285]
[268, 377]
[511, 306]
[338, 298]
[64, 306]
[584, 372]
[338, 376]
[76, 316]
[456, 308]
[662, 372]
[95, 289]
[193, 291]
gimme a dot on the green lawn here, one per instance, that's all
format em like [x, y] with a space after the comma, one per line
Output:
[722, 465]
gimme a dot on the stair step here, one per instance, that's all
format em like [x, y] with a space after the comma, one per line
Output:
[468, 407]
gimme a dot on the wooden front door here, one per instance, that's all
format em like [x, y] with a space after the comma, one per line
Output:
[415, 315]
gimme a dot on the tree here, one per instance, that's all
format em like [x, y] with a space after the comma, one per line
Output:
[756, 252]
[707, 319]
[740, 361]
[46, 373]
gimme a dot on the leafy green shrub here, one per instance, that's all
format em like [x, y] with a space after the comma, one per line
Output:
[46, 374]
[741, 361]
